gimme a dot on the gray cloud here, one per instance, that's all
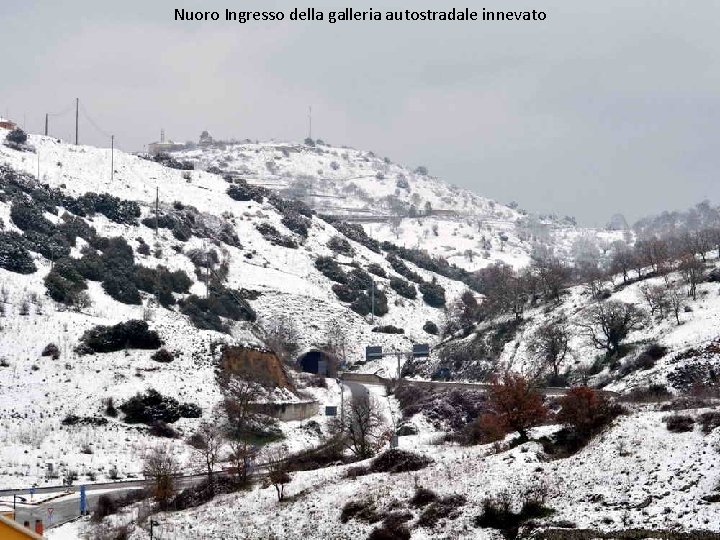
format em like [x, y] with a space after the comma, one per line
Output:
[605, 107]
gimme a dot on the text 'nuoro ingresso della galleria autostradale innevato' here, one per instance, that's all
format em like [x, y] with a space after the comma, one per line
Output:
[351, 14]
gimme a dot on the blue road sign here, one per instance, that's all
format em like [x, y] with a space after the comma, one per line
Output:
[373, 353]
[421, 350]
[83, 501]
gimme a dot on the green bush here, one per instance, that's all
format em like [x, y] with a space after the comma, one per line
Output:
[297, 223]
[375, 268]
[122, 288]
[242, 191]
[388, 329]
[64, 283]
[14, 256]
[401, 268]
[73, 227]
[17, 136]
[403, 288]
[361, 305]
[396, 460]
[133, 334]
[49, 246]
[113, 208]
[344, 293]
[433, 294]
[355, 232]
[340, 245]
[358, 279]
[275, 237]
[207, 313]
[28, 217]
[430, 327]
[162, 282]
[152, 407]
[331, 269]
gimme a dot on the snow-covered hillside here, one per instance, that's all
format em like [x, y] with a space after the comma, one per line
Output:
[39, 392]
[406, 206]
[636, 476]
[218, 232]
[690, 351]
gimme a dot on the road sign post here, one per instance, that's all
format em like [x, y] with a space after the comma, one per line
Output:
[153, 524]
[419, 350]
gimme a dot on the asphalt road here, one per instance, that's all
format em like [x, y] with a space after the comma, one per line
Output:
[357, 390]
[61, 510]
[68, 507]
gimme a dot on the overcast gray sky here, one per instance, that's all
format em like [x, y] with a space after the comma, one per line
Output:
[607, 106]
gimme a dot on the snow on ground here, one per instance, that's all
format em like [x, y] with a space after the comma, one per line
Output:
[636, 474]
[466, 229]
[39, 392]
[69, 531]
[699, 327]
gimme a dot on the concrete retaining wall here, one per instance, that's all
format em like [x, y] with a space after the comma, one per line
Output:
[289, 411]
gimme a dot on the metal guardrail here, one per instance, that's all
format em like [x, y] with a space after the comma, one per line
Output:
[371, 378]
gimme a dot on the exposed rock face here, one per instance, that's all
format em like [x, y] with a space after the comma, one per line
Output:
[254, 364]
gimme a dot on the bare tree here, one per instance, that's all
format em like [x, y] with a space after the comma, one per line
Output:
[622, 260]
[552, 274]
[656, 297]
[693, 272]
[653, 251]
[161, 467]
[241, 456]
[676, 301]
[279, 469]
[700, 242]
[282, 337]
[362, 426]
[607, 324]
[336, 338]
[207, 443]
[504, 290]
[585, 252]
[550, 344]
[239, 393]
[593, 277]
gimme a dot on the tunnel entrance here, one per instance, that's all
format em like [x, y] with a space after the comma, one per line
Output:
[319, 362]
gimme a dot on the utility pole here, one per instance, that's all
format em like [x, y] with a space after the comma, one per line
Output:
[372, 301]
[157, 209]
[112, 158]
[38, 163]
[153, 524]
[77, 113]
[46, 123]
[207, 271]
[342, 405]
[17, 498]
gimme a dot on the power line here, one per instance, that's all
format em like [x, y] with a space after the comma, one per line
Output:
[93, 123]
[64, 111]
